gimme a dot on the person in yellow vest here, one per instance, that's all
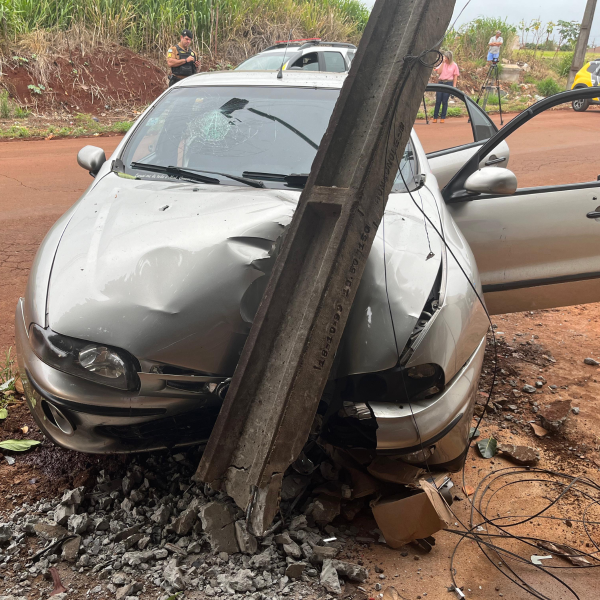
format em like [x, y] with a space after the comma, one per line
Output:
[182, 59]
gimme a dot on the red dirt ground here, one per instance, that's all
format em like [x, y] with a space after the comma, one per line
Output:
[39, 180]
[112, 77]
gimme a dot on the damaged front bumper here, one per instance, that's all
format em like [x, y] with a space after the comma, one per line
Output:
[430, 432]
[85, 416]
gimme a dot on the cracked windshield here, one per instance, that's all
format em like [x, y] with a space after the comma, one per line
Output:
[263, 134]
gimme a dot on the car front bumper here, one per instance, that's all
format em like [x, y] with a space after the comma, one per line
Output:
[439, 425]
[109, 420]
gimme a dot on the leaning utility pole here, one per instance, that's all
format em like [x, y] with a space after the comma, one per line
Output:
[267, 414]
[582, 42]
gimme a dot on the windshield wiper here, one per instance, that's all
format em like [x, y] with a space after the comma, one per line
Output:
[242, 179]
[296, 180]
[195, 174]
[175, 172]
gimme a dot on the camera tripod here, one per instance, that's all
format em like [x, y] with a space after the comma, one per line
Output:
[493, 75]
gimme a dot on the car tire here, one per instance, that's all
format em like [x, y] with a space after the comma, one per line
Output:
[580, 105]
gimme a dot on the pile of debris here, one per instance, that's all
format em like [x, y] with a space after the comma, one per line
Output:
[154, 527]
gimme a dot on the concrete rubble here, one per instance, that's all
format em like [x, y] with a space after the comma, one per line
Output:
[162, 533]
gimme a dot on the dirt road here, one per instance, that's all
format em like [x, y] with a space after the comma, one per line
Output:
[39, 180]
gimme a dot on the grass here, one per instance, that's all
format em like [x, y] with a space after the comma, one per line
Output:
[233, 27]
[7, 374]
[548, 87]
[84, 126]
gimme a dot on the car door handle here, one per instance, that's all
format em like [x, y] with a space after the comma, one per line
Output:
[595, 214]
[494, 160]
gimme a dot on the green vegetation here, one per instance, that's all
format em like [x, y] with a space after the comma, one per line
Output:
[152, 25]
[563, 65]
[8, 108]
[5, 108]
[84, 126]
[548, 87]
[7, 384]
[470, 42]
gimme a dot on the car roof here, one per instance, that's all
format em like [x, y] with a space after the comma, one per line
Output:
[317, 79]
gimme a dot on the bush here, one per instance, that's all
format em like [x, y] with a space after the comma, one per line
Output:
[122, 126]
[563, 65]
[548, 87]
[4, 106]
[21, 113]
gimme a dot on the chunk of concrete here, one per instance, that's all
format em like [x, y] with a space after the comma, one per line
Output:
[218, 521]
[6, 532]
[79, 523]
[554, 417]
[63, 512]
[161, 515]
[246, 541]
[325, 509]
[242, 581]
[173, 575]
[522, 455]
[129, 590]
[329, 578]
[322, 553]
[184, 523]
[73, 497]
[350, 571]
[49, 532]
[295, 570]
[70, 549]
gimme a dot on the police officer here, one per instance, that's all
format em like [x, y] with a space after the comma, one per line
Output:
[182, 59]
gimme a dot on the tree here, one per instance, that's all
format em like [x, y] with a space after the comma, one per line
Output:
[568, 32]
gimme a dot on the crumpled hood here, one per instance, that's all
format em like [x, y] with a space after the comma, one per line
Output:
[164, 271]
[175, 276]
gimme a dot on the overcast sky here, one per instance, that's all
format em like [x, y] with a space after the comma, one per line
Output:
[515, 10]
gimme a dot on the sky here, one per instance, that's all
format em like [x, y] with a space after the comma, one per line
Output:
[515, 10]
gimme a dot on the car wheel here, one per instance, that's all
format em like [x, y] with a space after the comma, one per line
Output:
[580, 105]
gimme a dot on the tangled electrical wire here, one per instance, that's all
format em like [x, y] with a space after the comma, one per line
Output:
[497, 537]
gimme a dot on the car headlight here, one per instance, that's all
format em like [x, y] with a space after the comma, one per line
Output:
[97, 362]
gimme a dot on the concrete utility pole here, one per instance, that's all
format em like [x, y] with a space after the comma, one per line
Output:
[266, 417]
[582, 41]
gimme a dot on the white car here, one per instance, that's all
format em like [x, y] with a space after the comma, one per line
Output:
[305, 55]
[142, 295]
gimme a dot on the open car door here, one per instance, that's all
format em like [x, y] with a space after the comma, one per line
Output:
[451, 145]
[536, 247]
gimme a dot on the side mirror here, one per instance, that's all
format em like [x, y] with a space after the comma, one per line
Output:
[91, 159]
[492, 180]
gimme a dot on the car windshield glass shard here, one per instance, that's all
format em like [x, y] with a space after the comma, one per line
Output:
[233, 130]
[171, 171]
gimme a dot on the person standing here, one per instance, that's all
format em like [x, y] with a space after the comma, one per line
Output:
[448, 72]
[495, 44]
[182, 59]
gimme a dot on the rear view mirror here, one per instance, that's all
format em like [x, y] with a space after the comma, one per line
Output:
[91, 159]
[492, 180]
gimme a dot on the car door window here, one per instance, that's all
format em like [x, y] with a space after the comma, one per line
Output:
[539, 247]
[334, 62]
[307, 62]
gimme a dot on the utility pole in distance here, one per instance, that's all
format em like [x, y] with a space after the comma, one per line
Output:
[267, 414]
[582, 42]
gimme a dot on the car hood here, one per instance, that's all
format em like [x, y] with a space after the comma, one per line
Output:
[174, 273]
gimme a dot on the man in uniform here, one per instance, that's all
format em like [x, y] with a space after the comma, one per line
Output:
[182, 59]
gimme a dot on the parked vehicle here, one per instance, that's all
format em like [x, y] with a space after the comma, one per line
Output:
[143, 293]
[587, 76]
[306, 55]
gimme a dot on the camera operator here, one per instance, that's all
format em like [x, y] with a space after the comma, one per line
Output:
[496, 42]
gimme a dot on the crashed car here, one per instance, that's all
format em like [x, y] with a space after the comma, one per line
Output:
[143, 293]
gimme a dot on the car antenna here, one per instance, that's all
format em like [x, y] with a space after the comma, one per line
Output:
[280, 72]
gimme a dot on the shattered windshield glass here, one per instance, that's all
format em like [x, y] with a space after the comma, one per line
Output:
[233, 130]
[265, 134]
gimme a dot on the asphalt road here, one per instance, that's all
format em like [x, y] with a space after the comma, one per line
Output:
[39, 180]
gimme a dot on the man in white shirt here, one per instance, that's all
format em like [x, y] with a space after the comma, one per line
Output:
[494, 47]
